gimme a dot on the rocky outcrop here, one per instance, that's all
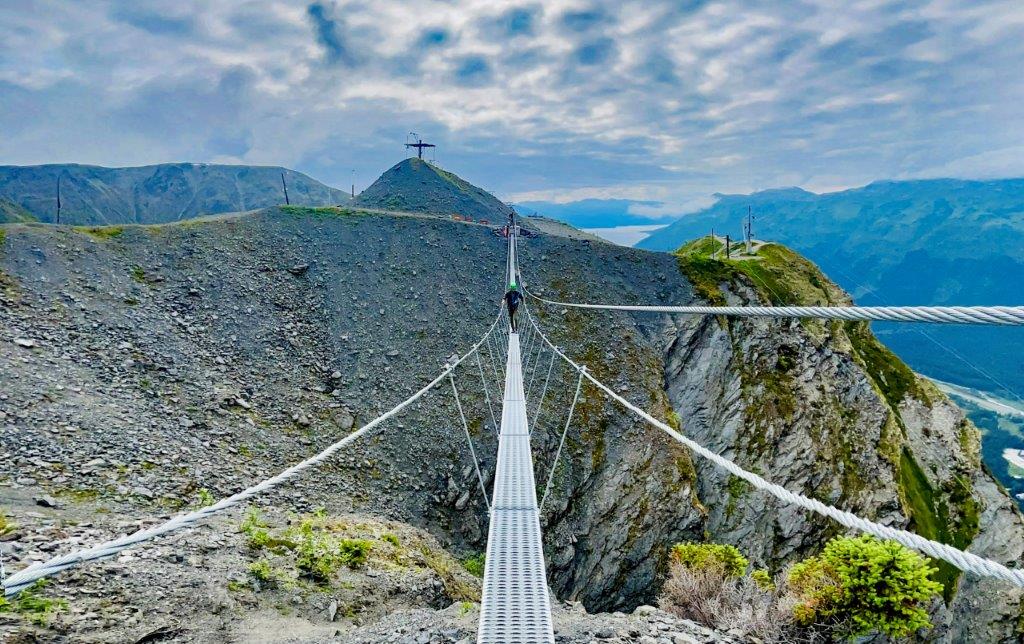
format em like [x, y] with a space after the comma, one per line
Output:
[825, 410]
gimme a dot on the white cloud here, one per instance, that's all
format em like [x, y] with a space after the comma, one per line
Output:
[644, 101]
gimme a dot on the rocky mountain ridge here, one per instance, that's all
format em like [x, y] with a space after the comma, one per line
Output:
[144, 365]
[415, 185]
[152, 194]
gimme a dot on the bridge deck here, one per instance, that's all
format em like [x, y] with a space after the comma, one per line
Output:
[515, 605]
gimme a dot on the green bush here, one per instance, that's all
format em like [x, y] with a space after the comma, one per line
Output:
[698, 556]
[319, 554]
[867, 584]
[253, 519]
[392, 539]
[314, 555]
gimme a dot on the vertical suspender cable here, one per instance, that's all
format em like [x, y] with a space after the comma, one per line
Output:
[561, 443]
[487, 395]
[469, 441]
[543, 393]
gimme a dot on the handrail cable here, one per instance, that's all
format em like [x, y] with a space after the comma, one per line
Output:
[965, 561]
[26, 576]
[999, 315]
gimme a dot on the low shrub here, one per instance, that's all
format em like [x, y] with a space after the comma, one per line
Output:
[710, 596]
[857, 586]
[204, 498]
[868, 584]
[763, 579]
[700, 556]
[6, 525]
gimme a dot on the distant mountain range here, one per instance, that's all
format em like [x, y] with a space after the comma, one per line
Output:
[417, 186]
[903, 242]
[151, 194]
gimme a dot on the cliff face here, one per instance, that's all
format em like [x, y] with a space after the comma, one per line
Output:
[824, 409]
[820, 408]
[141, 364]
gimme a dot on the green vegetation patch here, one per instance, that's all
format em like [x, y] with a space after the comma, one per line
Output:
[321, 211]
[12, 213]
[311, 551]
[699, 556]
[475, 564]
[737, 488]
[102, 233]
[458, 183]
[139, 275]
[31, 605]
[894, 379]
[706, 275]
[931, 516]
[867, 585]
[318, 550]
[6, 525]
[779, 275]
[857, 586]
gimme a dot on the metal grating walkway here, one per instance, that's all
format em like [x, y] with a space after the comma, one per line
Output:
[515, 605]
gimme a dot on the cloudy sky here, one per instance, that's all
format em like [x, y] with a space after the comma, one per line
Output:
[663, 103]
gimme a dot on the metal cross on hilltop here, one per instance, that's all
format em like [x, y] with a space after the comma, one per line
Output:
[419, 145]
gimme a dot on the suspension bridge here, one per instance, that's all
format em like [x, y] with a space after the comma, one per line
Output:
[516, 600]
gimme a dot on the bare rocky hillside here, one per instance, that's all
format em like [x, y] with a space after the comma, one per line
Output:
[148, 368]
[415, 185]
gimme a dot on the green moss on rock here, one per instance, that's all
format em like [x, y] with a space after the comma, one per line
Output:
[894, 379]
[948, 516]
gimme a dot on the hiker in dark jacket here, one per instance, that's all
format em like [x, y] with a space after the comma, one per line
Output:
[512, 299]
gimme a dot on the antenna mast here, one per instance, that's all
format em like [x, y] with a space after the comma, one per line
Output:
[58, 198]
[285, 186]
[749, 230]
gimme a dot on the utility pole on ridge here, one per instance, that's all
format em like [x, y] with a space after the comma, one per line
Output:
[749, 230]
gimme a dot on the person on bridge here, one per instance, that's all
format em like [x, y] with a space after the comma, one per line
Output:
[512, 299]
